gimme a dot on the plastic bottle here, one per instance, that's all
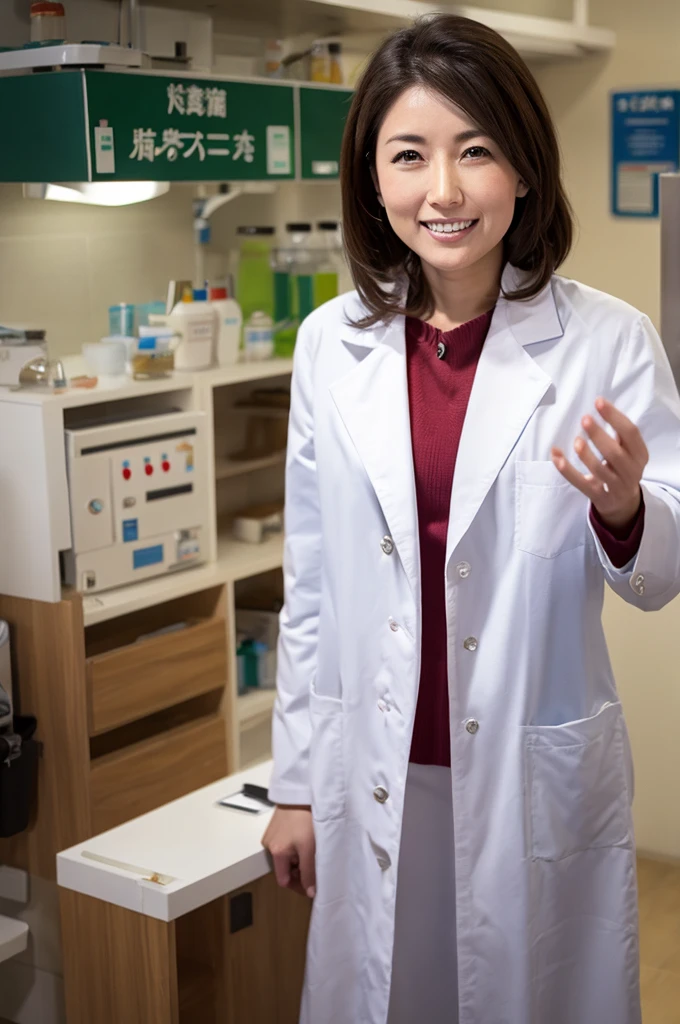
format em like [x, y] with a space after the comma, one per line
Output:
[229, 324]
[48, 23]
[336, 75]
[302, 263]
[196, 320]
[273, 55]
[255, 289]
[320, 63]
[258, 337]
[329, 261]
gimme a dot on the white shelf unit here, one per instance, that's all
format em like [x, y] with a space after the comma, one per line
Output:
[13, 937]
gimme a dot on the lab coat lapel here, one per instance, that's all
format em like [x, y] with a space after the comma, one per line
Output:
[372, 400]
[507, 389]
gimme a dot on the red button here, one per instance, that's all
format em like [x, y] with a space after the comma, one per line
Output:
[148, 469]
[166, 467]
[127, 473]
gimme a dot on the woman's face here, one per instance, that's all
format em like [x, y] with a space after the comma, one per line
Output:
[448, 190]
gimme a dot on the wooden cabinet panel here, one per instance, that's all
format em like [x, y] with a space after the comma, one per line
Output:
[133, 681]
[134, 780]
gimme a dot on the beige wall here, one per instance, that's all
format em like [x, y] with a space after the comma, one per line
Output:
[621, 256]
[63, 264]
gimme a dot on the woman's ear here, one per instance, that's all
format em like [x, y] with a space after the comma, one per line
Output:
[522, 190]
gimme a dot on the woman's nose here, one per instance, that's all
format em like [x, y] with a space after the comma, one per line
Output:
[444, 187]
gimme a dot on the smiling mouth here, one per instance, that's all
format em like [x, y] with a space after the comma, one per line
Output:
[451, 227]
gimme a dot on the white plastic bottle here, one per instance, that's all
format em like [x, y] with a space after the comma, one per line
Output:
[196, 320]
[229, 322]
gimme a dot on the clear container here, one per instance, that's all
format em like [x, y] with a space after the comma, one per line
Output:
[273, 55]
[320, 63]
[153, 355]
[48, 23]
[302, 260]
[336, 74]
[329, 262]
[122, 319]
[229, 326]
[258, 337]
[255, 287]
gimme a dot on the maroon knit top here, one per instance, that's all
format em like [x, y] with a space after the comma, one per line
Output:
[441, 370]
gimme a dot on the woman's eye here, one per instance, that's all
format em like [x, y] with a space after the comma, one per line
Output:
[408, 156]
[476, 152]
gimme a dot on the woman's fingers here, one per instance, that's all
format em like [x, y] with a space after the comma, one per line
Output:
[586, 485]
[307, 869]
[283, 867]
[630, 437]
[599, 471]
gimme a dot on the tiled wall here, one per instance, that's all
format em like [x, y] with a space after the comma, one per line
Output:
[63, 264]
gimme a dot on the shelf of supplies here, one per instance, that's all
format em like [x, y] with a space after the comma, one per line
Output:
[535, 37]
[238, 561]
[13, 937]
[226, 468]
[255, 707]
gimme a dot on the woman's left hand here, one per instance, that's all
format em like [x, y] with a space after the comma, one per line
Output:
[613, 479]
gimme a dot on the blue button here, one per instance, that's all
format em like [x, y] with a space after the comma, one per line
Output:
[130, 530]
[147, 556]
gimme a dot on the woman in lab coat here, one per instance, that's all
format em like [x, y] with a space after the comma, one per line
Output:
[451, 763]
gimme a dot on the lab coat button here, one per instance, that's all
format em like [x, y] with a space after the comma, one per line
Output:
[470, 644]
[383, 705]
[387, 544]
[463, 569]
[472, 726]
[394, 626]
[639, 584]
[380, 794]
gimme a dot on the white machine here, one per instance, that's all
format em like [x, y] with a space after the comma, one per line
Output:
[138, 493]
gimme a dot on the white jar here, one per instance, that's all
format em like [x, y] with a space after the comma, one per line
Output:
[258, 337]
[196, 323]
[229, 324]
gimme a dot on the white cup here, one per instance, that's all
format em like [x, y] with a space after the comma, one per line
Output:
[105, 358]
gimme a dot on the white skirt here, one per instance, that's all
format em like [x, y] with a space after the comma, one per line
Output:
[424, 962]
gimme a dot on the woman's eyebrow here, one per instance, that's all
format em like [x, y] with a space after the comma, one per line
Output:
[418, 140]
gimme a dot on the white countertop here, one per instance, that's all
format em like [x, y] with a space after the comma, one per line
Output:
[204, 851]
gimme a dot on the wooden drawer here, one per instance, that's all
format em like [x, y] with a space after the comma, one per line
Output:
[137, 778]
[144, 677]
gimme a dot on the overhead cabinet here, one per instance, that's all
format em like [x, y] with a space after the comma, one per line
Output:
[138, 126]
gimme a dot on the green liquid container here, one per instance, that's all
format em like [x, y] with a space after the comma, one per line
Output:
[256, 289]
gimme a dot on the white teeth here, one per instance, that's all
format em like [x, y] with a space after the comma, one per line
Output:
[448, 229]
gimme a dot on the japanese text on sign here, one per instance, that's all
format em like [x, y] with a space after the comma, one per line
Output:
[197, 143]
[189, 100]
[192, 99]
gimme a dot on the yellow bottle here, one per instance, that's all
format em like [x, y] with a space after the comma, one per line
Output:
[320, 63]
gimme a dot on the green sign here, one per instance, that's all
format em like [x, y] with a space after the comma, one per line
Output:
[145, 126]
[323, 113]
[140, 126]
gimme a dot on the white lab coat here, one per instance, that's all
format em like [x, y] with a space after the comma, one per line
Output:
[541, 770]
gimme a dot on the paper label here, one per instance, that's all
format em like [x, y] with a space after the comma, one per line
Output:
[278, 149]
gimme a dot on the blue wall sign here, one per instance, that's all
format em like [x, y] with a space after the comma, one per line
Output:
[645, 144]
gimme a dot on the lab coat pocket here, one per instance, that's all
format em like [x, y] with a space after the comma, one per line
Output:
[550, 514]
[326, 758]
[578, 791]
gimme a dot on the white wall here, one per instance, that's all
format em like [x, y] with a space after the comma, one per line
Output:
[621, 256]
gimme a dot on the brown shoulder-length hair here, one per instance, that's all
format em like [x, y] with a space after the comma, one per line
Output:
[475, 68]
